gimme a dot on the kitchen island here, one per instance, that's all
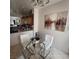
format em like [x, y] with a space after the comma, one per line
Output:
[15, 37]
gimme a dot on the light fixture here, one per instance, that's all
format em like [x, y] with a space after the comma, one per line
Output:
[40, 2]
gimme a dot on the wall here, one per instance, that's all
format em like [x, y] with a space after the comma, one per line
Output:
[61, 39]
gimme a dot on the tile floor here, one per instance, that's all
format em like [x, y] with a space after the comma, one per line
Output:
[15, 53]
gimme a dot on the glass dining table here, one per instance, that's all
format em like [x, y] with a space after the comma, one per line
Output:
[34, 47]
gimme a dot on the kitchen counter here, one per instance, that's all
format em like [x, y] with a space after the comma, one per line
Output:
[20, 28]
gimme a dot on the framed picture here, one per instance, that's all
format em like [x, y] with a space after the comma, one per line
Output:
[56, 20]
[48, 21]
[60, 24]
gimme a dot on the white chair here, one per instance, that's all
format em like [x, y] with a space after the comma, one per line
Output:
[25, 40]
[46, 46]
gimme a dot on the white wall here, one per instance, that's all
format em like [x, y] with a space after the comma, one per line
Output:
[61, 38]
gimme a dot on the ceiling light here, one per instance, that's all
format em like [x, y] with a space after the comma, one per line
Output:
[40, 2]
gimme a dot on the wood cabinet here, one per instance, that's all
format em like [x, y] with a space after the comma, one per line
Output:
[27, 20]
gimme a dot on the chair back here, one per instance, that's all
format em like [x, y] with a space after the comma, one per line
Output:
[48, 41]
[25, 39]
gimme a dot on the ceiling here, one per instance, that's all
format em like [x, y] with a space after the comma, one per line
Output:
[23, 7]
